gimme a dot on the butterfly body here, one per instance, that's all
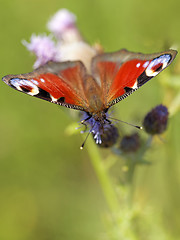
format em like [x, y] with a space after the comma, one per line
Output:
[113, 77]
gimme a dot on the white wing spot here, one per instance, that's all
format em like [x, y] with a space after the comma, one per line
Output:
[53, 99]
[16, 83]
[42, 80]
[135, 85]
[34, 91]
[164, 59]
[20, 83]
[145, 64]
[34, 81]
[151, 73]
[164, 65]
[138, 65]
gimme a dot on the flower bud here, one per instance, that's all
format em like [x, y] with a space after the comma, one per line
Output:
[130, 143]
[155, 122]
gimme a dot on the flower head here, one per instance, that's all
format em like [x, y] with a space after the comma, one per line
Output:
[109, 135]
[43, 47]
[105, 135]
[68, 45]
[155, 122]
[130, 143]
[61, 22]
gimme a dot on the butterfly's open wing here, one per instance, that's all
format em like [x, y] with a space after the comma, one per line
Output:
[60, 83]
[123, 72]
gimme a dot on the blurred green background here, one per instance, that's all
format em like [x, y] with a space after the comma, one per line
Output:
[48, 187]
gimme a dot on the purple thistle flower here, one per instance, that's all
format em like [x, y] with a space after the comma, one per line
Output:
[155, 122]
[105, 135]
[109, 135]
[43, 47]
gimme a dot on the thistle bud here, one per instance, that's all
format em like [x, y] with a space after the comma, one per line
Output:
[130, 143]
[155, 122]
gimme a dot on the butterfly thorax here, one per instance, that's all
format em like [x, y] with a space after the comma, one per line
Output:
[100, 117]
[94, 96]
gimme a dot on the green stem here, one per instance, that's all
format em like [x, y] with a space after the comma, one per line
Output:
[131, 169]
[129, 178]
[102, 174]
[120, 224]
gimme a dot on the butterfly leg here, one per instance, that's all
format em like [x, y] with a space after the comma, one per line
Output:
[83, 122]
[108, 121]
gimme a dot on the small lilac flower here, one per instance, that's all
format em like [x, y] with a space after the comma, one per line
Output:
[155, 122]
[61, 22]
[43, 47]
[130, 143]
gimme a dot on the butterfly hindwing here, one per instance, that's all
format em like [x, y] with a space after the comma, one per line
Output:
[60, 83]
[123, 72]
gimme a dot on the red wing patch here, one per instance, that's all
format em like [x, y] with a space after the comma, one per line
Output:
[126, 77]
[121, 78]
[64, 87]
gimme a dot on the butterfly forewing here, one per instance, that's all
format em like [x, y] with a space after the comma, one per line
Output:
[60, 83]
[123, 72]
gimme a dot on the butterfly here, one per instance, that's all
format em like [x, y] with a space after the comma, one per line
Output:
[113, 77]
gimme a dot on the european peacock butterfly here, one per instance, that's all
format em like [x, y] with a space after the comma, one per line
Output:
[113, 77]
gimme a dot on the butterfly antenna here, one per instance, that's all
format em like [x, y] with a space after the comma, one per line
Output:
[90, 131]
[138, 127]
[82, 146]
